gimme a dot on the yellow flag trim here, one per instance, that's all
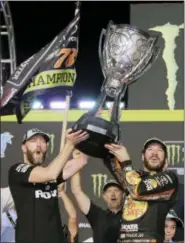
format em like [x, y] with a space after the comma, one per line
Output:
[52, 79]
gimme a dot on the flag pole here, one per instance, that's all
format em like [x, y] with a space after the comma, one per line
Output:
[64, 124]
[68, 98]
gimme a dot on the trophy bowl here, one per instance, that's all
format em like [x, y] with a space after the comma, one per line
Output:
[125, 55]
[100, 132]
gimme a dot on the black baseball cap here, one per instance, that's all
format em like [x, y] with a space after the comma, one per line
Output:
[155, 140]
[32, 132]
[111, 183]
[172, 215]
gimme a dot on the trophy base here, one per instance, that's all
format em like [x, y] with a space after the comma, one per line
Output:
[100, 132]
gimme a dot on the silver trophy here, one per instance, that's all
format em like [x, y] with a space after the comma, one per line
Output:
[125, 55]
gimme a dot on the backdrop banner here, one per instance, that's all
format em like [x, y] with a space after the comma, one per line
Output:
[162, 86]
[95, 174]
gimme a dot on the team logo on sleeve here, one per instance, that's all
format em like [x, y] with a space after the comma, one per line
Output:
[22, 168]
[133, 178]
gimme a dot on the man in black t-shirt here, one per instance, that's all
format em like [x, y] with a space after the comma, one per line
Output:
[34, 187]
[105, 224]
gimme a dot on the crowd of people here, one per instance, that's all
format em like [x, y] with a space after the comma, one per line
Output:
[141, 204]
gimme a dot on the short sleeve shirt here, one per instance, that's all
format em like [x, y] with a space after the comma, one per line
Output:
[37, 207]
[105, 224]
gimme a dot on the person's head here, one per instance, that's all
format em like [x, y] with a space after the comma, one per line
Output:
[34, 146]
[154, 155]
[172, 222]
[170, 229]
[113, 195]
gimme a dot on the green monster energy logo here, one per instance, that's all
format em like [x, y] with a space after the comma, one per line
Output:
[98, 181]
[175, 153]
[52, 139]
[170, 33]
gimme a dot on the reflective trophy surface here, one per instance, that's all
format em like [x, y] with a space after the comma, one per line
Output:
[125, 55]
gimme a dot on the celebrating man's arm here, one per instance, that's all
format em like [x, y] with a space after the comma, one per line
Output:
[159, 186]
[74, 165]
[82, 199]
[52, 171]
[71, 211]
[37, 174]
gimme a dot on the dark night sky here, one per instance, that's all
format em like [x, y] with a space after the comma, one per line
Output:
[36, 23]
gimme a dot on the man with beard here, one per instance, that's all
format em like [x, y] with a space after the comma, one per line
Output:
[34, 187]
[105, 224]
[151, 192]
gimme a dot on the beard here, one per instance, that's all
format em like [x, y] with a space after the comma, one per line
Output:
[157, 168]
[34, 159]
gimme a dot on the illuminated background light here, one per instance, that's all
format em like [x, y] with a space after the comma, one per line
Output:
[57, 104]
[86, 104]
[37, 105]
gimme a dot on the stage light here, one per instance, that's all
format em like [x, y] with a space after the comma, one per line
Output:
[57, 104]
[109, 104]
[37, 105]
[86, 104]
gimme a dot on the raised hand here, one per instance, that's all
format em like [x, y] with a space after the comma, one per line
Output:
[119, 151]
[76, 137]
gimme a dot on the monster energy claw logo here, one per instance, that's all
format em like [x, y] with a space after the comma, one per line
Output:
[169, 34]
[175, 152]
[98, 181]
[52, 138]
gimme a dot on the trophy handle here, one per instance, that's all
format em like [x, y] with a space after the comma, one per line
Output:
[100, 52]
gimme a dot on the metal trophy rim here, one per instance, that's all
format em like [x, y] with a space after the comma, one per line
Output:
[106, 40]
[103, 31]
[147, 33]
[103, 54]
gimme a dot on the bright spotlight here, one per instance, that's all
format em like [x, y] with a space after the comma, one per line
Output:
[86, 104]
[37, 105]
[109, 104]
[57, 104]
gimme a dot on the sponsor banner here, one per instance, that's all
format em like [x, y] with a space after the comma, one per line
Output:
[170, 132]
[95, 174]
[163, 85]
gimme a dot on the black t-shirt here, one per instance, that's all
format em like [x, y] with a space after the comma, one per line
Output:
[37, 207]
[105, 224]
